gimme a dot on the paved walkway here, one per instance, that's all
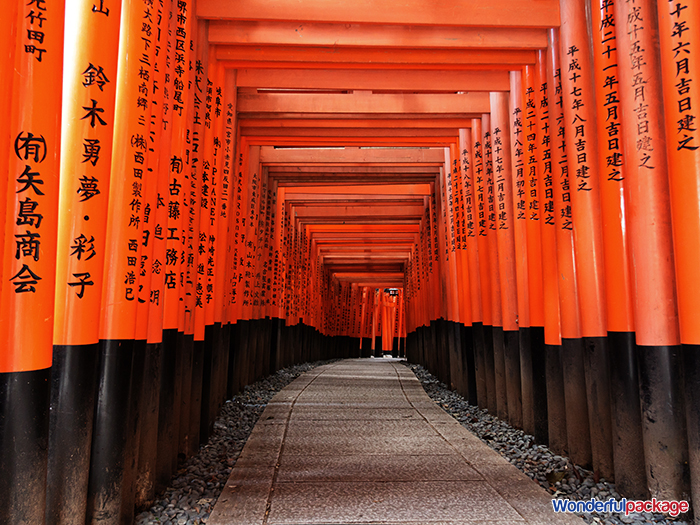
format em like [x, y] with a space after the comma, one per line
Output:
[359, 441]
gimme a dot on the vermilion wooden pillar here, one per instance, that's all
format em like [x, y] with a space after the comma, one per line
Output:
[467, 143]
[515, 106]
[679, 36]
[532, 347]
[505, 229]
[120, 292]
[582, 153]
[85, 163]
[174, 263]
[497, 342]
[571, 355]
[554, 379]
[470, 264]
[32, 67]
[650, 234]
[627, 424]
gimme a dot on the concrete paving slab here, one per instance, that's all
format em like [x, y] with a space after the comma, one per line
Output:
[448, 467]
[306, 413]
[325, 452]
[417, 501]
[368, 427]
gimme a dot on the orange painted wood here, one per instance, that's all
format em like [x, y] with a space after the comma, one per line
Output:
[8, 36]
[224, 278]
[149, 323]
[369, 121]
[503, 13]
[470, 204]
[32, 168]
[374, 79]
[582, 152]
[481, 225]
[340, 157]
[193, 221]
[491, 221]
[85, 160]
[566, 257]
[458, 198]
[326, 57]
[127, 192]
[612, 170]
[159, 233]
[532, 152]
[503, 190]
[248, 32]
[681, 103]
[453, 104]
[515, 106]
[177, 199]
[545, 167]
[216, 242]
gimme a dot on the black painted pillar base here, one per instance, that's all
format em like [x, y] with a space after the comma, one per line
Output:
[378, 346]
[468, 364]
[134, 432]
[526, 380]
[110, 432]
[24, 434]
[556, 407]
[628, 445]
[73, 387]
[148, 441]
[599, 413]
[456, 372]
[197, 373]
[578, 434]
[186, 342]
[167, 432]
[663, 422]
[490, 369]
[206, 423]
[499, 367]
[511, 352]
[480, 365]
[539, 384]
[691, 368]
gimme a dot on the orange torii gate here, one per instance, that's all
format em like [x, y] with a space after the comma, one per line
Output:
[508, 188]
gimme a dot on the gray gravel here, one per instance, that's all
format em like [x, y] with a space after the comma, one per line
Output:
[195, 488]
[537, 461]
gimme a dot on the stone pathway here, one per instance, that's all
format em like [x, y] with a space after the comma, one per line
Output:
[359, 442]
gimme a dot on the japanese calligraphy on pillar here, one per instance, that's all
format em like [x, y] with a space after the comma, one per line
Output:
[468, 195]
[501, 210]
[531, 145]
[608, 82]
[564, 211]
[519, 165]
[479, 188]
[547, 198]
[490, 198]
[577, 85]
[684, 45]
[636, 20]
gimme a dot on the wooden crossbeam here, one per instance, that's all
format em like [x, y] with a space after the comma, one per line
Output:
[470, 13]
[272, 32]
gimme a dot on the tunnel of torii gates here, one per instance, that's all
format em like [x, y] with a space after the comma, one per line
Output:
[201, 192]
